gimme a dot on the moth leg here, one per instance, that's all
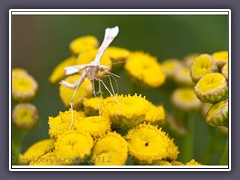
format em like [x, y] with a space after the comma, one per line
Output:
[109, 90]
[94, 93]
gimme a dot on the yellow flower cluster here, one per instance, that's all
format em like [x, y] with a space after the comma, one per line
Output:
[24, 88]
[100, 140]
[112, 130]
[210, 72]
[145, 69]
[178, 71]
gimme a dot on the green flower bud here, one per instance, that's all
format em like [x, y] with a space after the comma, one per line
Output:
[218, 114]
[211, 88]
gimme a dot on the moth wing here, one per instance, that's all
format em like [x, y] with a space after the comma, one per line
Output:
[110, 34]
[74, 69]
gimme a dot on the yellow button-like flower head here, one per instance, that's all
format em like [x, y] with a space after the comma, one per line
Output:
[218, 114]
[92, 106]
[84, 43]
[19, 71]
[221, 57]
[193, 162]
[147, 143]
[211, 87]
[117, 54]
[182, 76]
[225, 70]
[73, 147]
[185, 99]
[170, 66]
[59, 73]
[188, 59]
[155, 114]
[89, 56]
[202, 65]
[84, 91]
[145, 69]
[61, 123]
[24, 87]
[25, 116]
[111, 149]
[93, 125]
[127, 113]
[37, 150]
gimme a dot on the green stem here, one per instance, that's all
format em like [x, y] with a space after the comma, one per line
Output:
[224, 158]
[188, 144]
[17, 140]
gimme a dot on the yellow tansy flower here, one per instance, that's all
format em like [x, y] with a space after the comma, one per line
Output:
[202, 65]
[61, 123]
[211, 87]
[182, 76]
[145, 69]
[218, 114]
[185, 99]
[59, 73]
[37, 150]
[225, 70]
[221, 57]
[73, 147]
[155, 114]
[25, 116]
[117, 54]
[84, 43]
[24, 87]
[84, 91]
[89, 56]
[193, 163]
[19, 71]
[46, 160]
[188, 59]
[127, 113]
[147, 143]
[111, 149]
[92, 105]
[170, 66]
[93, 125]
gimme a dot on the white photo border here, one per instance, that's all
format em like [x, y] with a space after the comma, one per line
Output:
[15, 12]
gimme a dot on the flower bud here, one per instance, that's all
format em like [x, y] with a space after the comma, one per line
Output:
[211, 88]
[221, 57]
[218, 114]
[25, 116]
[225, 70]
[201, 66]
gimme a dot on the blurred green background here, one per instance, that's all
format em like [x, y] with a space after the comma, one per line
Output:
[40, 42]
